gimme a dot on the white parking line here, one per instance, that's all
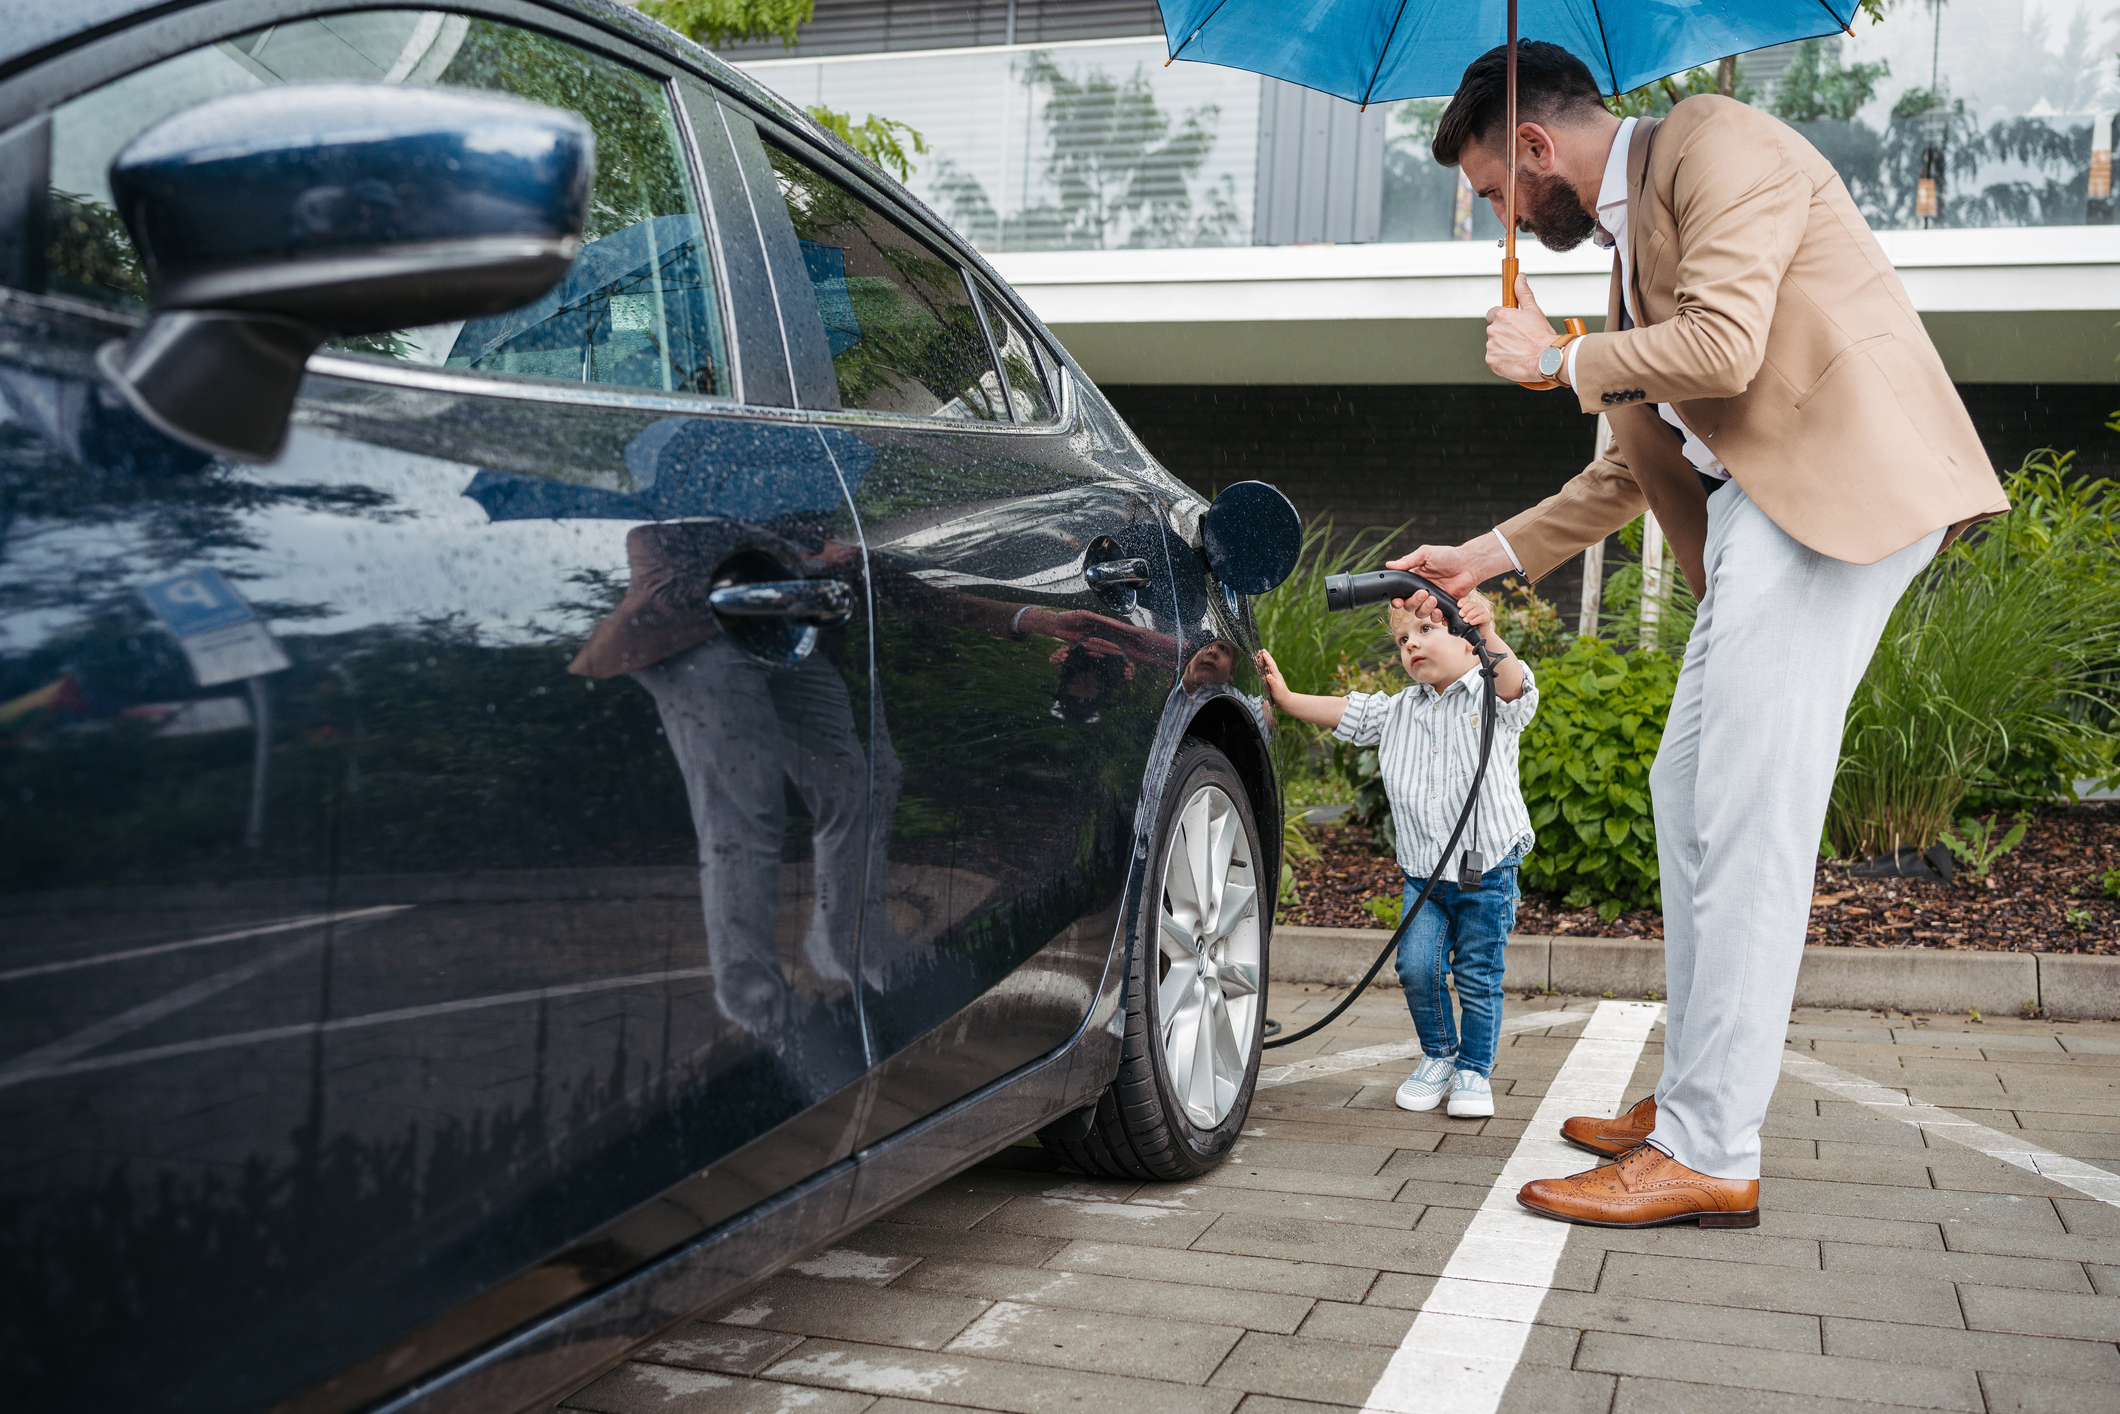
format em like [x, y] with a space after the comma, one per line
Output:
[1339, 1062]
[284, 926]
[55, 1057]
[1470, 1333]
[10, 1075]
[2087, 1179]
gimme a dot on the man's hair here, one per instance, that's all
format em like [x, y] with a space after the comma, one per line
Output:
[1552, 86]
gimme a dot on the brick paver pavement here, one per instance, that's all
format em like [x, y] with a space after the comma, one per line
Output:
[1893, 1267]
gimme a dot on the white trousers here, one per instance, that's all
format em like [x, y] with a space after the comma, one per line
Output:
[1741, 784]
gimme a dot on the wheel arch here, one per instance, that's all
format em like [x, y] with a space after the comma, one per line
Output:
[1227, 723]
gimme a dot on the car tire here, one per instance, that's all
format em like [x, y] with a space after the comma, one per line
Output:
[1190, 1057]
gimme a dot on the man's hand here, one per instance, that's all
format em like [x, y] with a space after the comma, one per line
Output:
[1516, 337]
[1068, 625]
[834, 553]
[1457, 570]
[1096, 648]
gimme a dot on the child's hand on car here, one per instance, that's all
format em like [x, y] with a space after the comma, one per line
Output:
[1476, 611]
[1318, 711]
[1270, 671]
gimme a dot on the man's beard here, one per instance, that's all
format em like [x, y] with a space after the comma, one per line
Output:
[1548, 208]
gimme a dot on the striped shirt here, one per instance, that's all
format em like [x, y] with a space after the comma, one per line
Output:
[1428, 745]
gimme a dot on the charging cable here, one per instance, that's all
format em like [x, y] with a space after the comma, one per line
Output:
[1346, 592]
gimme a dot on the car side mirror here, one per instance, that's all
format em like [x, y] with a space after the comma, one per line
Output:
[1253, 537]
[270, 221]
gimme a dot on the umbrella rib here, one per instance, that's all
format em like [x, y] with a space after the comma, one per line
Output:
[1389, 35]
[1195, 32]
[1847, 25]
[1604, 39]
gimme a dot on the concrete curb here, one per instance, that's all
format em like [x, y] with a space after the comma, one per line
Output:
[1905, 979]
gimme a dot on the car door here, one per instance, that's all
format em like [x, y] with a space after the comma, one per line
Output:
[422, 903]
[1025, 630]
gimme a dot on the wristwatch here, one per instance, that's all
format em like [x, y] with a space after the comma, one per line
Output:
[1554, 357]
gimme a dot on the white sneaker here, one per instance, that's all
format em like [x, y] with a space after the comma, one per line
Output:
[1429, 1083]
[1471, 1097]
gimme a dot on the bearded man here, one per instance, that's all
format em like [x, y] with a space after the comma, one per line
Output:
[1771, 395]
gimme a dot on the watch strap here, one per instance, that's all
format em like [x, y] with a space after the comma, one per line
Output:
[1559, 345]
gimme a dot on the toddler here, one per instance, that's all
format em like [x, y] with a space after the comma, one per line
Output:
[1428, 745]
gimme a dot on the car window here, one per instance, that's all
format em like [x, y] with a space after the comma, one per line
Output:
[1027, 391]
[898, 317]
[639, 308]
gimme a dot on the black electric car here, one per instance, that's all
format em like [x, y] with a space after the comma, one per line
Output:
[587, 701]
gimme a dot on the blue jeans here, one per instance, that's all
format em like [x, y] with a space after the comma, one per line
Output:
[1461, 934]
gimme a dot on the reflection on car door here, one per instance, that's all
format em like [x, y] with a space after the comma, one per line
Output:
[1016, 699]
[419, 902]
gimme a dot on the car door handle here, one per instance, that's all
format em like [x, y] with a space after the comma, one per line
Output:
[1117, 574]
[817, 601]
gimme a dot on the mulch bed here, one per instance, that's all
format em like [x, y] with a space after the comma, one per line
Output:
[2043, 896]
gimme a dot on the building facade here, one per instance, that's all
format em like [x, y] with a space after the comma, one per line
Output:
[1272, 283]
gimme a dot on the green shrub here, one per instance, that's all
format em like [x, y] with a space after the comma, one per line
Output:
[1310, 644]
[1620, 601]
[2070, 520]
[1995, 676]
[1585, 764]
[1531, 626]
[1977, 847]
[1295, 844]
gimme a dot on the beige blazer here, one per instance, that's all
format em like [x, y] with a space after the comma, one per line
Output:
[1773, 321]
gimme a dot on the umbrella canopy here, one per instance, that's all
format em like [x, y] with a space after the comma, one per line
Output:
[1373, 51]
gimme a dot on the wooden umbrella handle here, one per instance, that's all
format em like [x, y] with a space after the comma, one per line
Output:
[1509, 264]
[1574, 326]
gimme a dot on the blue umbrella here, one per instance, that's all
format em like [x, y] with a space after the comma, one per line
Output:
[1373, 51]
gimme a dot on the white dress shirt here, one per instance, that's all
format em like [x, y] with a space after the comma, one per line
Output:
[1612, 231]
[1428, 746]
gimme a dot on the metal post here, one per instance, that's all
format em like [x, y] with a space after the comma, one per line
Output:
[2098, 205]
[1652, 577]
[260, 761]
[1593, 590]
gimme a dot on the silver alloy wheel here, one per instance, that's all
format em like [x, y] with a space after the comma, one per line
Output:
[1209, 995]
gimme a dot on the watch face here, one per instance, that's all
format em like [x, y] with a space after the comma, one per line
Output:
[1549, 361]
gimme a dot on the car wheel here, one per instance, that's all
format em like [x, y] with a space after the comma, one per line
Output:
[1194, 992]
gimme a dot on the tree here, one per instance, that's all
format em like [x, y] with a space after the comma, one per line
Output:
[877, 139]
[1118, 160]
[720, 23]
[1656, 99]
[1810, 91]
[1653, 100]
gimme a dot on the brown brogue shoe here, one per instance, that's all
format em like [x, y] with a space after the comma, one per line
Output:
[1609, 1138]
[1645, 1188]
